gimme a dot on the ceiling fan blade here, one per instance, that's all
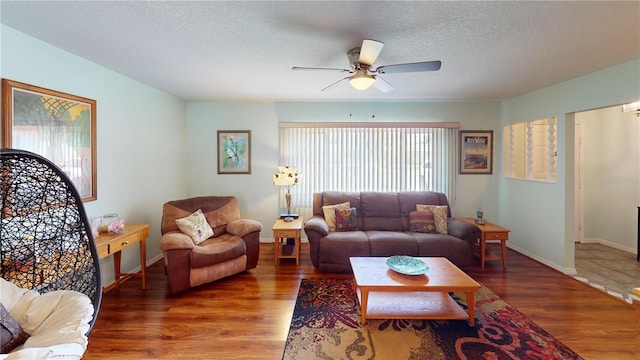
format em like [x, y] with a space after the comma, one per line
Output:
[319, 69]
[334, 84]
[382, 85]
[369, 51]
[411, 67]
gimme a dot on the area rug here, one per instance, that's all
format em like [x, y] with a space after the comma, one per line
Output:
[326, 325]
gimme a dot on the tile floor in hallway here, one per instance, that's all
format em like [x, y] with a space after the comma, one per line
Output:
[612, 270]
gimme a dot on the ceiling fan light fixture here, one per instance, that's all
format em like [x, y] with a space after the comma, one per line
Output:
[361, 80]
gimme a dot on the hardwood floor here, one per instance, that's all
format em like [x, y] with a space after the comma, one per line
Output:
[247, 316]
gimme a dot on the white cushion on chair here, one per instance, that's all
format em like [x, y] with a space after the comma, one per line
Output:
[57, 321]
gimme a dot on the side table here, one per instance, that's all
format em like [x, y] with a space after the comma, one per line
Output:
[489, 233]
[112, 244]
[282, 230]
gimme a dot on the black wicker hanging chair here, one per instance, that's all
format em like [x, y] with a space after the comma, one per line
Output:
[45, 237]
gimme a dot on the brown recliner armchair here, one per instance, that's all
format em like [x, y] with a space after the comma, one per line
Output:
[233, 248]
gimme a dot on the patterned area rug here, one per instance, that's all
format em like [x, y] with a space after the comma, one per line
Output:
[326, 325]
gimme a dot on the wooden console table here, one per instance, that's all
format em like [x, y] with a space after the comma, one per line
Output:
[490, 232]
[108, 244]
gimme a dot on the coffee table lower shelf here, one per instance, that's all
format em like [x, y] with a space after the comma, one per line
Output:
[410, 305]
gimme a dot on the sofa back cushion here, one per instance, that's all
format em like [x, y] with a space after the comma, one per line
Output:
[409, 200]
[380, 211]
[218, 210]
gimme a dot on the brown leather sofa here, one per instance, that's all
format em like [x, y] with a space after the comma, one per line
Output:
[232, 249]
[383, 230]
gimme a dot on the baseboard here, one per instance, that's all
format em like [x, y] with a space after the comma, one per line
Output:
[564, 270]
[609, 244]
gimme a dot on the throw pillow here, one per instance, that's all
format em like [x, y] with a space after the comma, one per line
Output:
[196, 226]
[330, 213]
[346, 219]
[11, 333]
[422, 221]
[439, 216]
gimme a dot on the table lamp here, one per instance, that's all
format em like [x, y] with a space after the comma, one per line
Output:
[287, 176]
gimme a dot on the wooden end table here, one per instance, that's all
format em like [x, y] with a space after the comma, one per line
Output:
[113, 244]
[282, 230]
[489, 233]
[386, 294]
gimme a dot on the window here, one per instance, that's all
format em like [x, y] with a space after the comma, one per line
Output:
[530, 150]
[369, 157]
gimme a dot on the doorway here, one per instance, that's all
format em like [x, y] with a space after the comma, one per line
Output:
[607, 192]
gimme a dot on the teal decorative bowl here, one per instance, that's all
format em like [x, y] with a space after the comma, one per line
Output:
[407, 265]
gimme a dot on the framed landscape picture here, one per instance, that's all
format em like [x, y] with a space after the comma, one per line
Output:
[476, 152]
[234, 152]
[58, 126]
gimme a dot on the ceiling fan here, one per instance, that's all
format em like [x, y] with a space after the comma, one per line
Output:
[361, 60]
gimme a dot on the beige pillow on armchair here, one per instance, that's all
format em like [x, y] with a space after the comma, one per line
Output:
[196, 226]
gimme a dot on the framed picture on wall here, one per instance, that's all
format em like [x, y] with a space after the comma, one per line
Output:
[234, 152]
[476, 152]
[58, 126]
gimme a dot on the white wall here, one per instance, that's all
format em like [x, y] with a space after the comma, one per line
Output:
[140, 134]
[540, 215]
[256, 193]
[611, 176]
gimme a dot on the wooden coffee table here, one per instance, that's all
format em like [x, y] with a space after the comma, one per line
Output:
[386, 294]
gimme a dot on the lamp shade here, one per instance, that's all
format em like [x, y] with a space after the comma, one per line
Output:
[286, 176]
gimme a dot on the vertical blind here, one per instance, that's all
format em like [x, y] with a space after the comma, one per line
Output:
[369, 157]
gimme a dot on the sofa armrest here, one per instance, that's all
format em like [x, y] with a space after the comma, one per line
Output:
[317, 224]
[316, 229]
[175, 240]
[463, 230]
[242, 227]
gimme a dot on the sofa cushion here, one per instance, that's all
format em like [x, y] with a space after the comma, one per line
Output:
[330, 213]
[388, 243]
[380, 211]
[422, 221]
[337, 197]
[439, 216]
[196, 226]
[336, 248]
[458, 251]
[217, 250]
[346, 219]
[11, 333]
[409, 200]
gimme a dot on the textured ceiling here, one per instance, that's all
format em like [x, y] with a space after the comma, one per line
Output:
[244, 51]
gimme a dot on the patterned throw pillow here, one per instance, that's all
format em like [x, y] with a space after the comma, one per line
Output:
[11, 333]
[346, 219]
[439, 216]
[422, 221]
[196, 226]
[330, 213]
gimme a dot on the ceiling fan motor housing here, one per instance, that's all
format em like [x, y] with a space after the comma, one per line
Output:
[354, 58]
